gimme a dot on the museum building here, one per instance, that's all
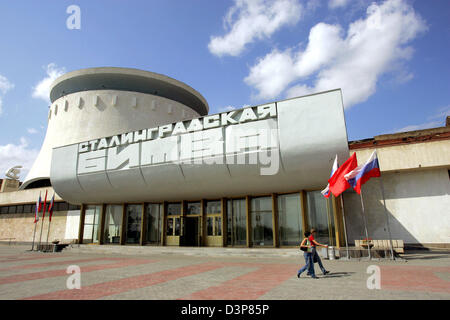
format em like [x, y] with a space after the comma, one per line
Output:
[134, 158]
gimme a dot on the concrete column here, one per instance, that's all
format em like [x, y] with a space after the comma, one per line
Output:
[143, 226]
[276, 242]
[81, 229]
[249, 225]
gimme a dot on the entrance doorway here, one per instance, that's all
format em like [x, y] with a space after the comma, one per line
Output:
[192, 234]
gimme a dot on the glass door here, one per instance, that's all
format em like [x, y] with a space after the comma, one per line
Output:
[133, 223]
[262, 229]
[113, 224]
[91, 224]
[153, 213]
[173, 223]
[290, 224]
[213, 211]
[236, 223]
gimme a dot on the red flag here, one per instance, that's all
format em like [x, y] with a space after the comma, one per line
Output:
[337, 182]
[50, 208]
[45, 203]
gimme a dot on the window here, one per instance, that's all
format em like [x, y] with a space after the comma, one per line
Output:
[210, 226]
[133, 220]
[213, 207]
[173, 219]
[237, 222]
[214, 218]
[290, 219]
[173, 209]
[113, 224]
[154, 222]
[62, 206]
[218, 226]
[321, 217]
[74, 207]
[177, 226]
[169, 227]
[173, 226]
[193, 208]
[28, 208]
[91, 223]
[261, 214]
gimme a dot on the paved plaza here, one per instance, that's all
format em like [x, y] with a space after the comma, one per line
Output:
[212, 274]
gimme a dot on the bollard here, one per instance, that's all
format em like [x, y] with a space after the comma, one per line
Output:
[331, 253]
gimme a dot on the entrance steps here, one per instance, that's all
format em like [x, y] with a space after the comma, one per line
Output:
[189, 251]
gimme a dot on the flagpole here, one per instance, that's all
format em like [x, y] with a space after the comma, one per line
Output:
[43, 217]
[345, 228]
[365, 224]
[40, 237]
[48, 232]
[387, 219]
[34, 234]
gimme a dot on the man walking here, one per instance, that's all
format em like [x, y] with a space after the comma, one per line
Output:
[314, 254]
[307, 254]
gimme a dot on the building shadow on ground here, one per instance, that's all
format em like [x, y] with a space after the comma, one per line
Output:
[426, 255]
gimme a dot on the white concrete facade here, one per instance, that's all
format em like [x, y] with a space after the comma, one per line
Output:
[416, 183]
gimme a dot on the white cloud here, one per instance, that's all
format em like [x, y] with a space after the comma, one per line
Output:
[403, 76]
[250, 20]
[42, 89]
[226, 108]
[12, 155]
[333, 4]
[32, 131]
[433, 121]
[272, 73]
[353, 61]
[5, 86]
[231, 108]
[312, 5]
[426, 125]
[442, 113]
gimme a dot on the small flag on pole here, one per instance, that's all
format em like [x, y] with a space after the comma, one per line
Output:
[45, 204]
[337, 182]
[326, 191]
[50, 208]
[38, 208]
[361, 174]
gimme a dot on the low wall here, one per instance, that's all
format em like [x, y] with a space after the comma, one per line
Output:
[20, 227]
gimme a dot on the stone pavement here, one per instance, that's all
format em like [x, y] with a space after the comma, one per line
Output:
[164, 273]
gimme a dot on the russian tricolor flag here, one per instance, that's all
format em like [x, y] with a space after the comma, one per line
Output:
[38, 208]
[361, 174]
[326, 191]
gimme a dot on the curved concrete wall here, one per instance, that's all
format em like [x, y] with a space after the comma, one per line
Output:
[293, 144]
[92, 114]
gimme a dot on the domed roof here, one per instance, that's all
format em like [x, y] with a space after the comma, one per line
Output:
[126, 79]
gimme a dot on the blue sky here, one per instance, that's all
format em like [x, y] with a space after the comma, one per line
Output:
[389, 57]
